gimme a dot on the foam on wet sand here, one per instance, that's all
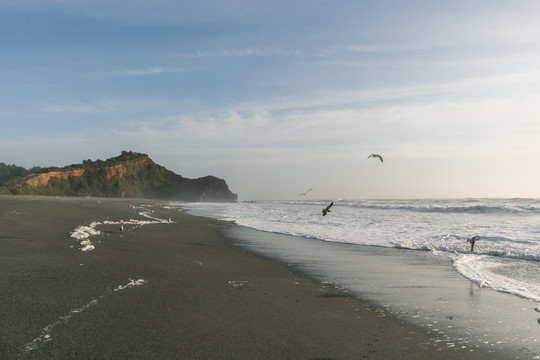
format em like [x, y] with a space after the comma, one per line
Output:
[84, 232]
[45, 335]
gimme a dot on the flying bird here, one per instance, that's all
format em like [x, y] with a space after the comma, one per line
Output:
[473, 240]
[376, 156]
[326, 210]
[305, 193]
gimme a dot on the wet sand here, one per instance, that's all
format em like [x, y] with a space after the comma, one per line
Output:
[418, 287]
[201, 296]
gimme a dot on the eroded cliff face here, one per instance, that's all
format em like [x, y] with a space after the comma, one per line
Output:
[122, 169]
[108, 172]
[39, 180]
[112, 171]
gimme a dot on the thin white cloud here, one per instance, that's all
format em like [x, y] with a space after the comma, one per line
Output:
[385, 47]
[245, 52]
[72, 109]
[104, 106]
[316, 52]
[151, 71]
[147, 71]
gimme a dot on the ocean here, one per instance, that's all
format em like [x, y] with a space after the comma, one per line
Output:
[411, 258]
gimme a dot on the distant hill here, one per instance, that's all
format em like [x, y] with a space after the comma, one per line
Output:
[128, 175]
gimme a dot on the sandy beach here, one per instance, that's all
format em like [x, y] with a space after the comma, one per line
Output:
[170, 286]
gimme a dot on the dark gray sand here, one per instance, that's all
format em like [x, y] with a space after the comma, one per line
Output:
[201, 297]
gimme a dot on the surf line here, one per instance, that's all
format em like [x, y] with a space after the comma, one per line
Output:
[45, 335]
[83, 233]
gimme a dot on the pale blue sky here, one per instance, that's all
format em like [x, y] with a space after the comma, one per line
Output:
[280, 96]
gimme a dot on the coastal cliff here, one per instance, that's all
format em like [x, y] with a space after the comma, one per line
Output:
[128, 175]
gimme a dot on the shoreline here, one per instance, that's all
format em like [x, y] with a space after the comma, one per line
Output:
[174, 290]
[417, 287]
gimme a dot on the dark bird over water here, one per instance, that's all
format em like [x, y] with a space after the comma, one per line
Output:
[376, 156]
[472, 240]
[304, 193]
[327, 209]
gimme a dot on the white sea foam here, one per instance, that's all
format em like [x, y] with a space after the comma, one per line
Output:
[84, 233]
[86, 245]
[506, 258]
[501, 274]
[131, 282]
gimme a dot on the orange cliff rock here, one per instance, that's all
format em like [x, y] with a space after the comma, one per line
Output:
[38, 180]
[120, 170]
[112, 171]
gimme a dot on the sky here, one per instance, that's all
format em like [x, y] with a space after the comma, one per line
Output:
[277, 97]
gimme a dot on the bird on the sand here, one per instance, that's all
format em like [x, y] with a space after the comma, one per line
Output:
[473, 240]
[305, 193]
[326, 210]
[376, 156]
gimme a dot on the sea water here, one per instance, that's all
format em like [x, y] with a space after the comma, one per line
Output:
[506, 258]
[422, 234]
[411, 258]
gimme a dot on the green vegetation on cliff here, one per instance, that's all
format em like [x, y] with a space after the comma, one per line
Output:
[11, 171]
[130, 174]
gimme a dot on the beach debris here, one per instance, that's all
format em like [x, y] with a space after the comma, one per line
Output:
[376, 156]
[326, 210]
[237, 283]
[472, 240]
[131, 282]
[305, 192]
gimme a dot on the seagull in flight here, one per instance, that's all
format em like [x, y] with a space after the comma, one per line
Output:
[376, 156]
[304, 193]
[327, 209]
[473, 240]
